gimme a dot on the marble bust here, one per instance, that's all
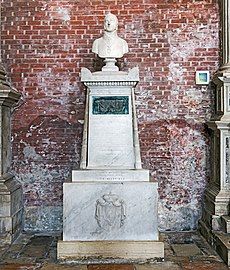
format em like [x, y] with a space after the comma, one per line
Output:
[110, 45]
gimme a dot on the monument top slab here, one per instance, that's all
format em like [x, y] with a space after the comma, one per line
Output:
[119, 76]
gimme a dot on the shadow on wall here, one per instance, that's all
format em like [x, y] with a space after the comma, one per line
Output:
[44, 153]
[178, 158]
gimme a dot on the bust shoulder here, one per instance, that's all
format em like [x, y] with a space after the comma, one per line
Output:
[113, 46]
[96, 45]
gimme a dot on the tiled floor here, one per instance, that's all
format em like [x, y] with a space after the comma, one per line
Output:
[183, 251]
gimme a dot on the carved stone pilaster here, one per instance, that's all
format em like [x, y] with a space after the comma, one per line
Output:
[216, 210]
[11, 199]
[225, 35]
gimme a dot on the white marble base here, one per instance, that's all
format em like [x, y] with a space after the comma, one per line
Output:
[110, 211]
[110, 175]
[133, 250]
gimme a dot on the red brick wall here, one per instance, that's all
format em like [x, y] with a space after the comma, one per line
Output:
[44, 45]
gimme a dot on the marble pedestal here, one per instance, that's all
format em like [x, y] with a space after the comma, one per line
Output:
[110, 219]
[110, 207]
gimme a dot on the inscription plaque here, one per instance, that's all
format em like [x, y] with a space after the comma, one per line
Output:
[110, 105]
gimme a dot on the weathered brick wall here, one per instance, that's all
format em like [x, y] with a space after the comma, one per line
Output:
[44, 45]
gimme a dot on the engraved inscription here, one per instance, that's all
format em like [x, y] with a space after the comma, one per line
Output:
[111, 105]
[110, 176]
[110, 213]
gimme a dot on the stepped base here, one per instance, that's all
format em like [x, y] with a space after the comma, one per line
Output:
[11, 205]
[110, 175]
[110, 249]
[225, 220]
[222, 246]
[218, 240]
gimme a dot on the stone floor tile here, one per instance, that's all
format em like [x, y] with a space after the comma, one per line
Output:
[111, 267]
[16, 248]
[207, 259]
[186, 249]
[38, 252]
[159, 266]
[34, 251]
[52, 255]
[168, 252]
[38, 240]
[20, 266]
[2, 251]
[23, 238]
[204, 266]
[20, 260]
[63, 267]
[178, 259]
[11, 254]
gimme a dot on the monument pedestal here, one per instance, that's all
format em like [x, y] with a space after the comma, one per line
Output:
[11, 213]
[110, 206]
[114, 220]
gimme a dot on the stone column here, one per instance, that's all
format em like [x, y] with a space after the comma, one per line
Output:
[215, 222]
[225, 23]
[11, 202]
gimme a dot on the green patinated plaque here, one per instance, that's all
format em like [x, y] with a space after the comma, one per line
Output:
[111, 105]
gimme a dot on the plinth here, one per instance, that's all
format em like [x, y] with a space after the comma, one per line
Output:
[110, 205]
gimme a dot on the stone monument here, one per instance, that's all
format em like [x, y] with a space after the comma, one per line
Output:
[11, 197]
[110, 206]
[215, 222]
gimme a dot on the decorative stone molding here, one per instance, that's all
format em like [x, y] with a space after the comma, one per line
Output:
[110, 77]
[8, 95]
[110, 83]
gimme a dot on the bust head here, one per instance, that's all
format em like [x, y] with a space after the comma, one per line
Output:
[110, 23]
[110, 45]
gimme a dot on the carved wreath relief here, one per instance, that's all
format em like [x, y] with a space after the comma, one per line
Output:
[110, 213]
